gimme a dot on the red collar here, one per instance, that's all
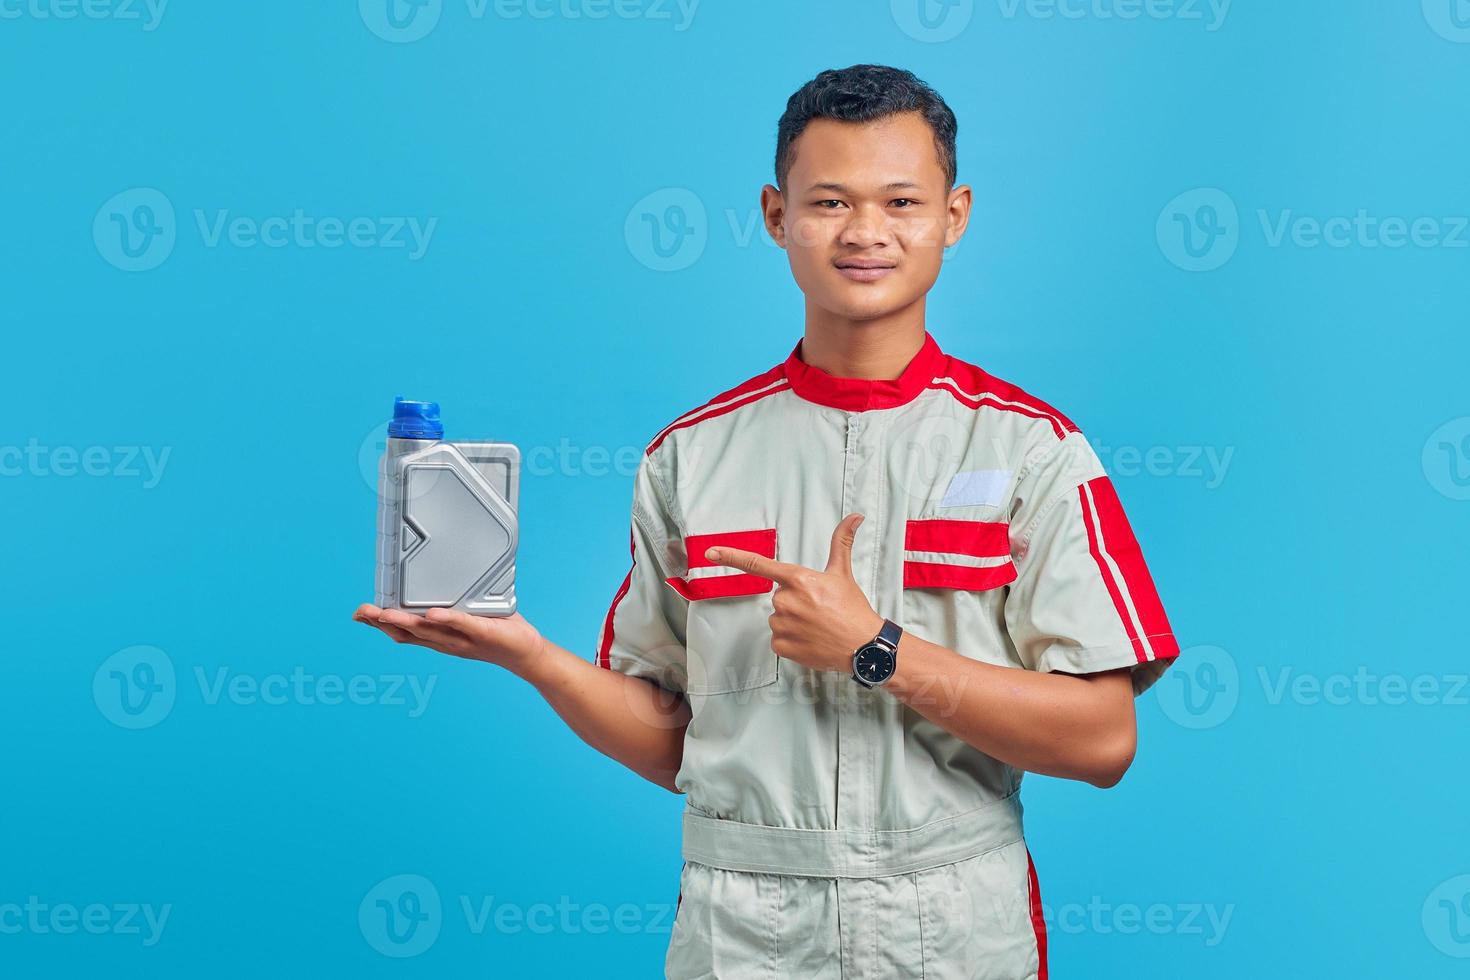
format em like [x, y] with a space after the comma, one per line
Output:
[862, 394]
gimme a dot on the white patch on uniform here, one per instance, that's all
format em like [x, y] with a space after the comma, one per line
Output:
[971, 488]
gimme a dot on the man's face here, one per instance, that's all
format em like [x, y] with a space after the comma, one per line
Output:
[865, 216]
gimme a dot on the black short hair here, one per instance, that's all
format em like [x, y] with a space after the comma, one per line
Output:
[863, 93]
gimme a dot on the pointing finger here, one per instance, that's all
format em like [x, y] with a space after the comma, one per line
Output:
[748, 561]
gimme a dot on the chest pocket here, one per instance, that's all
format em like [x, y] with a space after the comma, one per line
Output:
[728, 634]
[946, 553]
[954, 573]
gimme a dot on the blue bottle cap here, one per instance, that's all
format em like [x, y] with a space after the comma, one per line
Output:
[415, 420]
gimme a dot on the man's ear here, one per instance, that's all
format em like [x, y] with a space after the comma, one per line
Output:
[960, 200]
[773, 208]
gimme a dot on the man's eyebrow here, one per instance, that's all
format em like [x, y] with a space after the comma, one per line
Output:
[897, 185]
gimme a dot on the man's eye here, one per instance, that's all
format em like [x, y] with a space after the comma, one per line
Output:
[824, 204]
[904, 202]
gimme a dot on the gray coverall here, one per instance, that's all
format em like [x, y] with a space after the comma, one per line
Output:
[831, 831]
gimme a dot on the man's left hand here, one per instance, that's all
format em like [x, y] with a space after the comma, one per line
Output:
[820, 617]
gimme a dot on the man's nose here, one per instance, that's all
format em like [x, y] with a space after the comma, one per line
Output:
[867, 227]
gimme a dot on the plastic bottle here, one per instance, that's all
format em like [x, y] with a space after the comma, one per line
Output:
[447, 527]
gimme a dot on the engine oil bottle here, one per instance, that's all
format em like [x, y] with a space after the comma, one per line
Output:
[447, 525]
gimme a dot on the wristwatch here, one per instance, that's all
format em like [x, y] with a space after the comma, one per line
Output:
[877, 660]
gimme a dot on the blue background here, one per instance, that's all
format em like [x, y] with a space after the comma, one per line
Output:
[1331, 834]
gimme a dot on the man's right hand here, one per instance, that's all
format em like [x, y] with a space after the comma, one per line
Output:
[497, 640]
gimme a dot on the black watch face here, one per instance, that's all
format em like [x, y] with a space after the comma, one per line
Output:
[874, 663]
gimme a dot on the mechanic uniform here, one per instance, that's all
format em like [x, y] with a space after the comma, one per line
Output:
[830, 831]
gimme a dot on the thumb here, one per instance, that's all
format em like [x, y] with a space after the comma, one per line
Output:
[839, 558]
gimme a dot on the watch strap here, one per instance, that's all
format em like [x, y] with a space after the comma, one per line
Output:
[890, 633]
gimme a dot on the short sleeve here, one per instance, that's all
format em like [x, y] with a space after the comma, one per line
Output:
[644, 629]
[1083, 599]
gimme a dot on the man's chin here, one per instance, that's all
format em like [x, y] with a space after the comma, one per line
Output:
[858, 306]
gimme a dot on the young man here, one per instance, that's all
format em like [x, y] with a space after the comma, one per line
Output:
[870, 588]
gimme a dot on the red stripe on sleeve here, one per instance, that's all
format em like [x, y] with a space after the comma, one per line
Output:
[604, 658]
[1121, 544]
[1094, 546]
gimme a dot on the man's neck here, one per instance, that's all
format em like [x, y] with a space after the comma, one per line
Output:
[874, 350]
